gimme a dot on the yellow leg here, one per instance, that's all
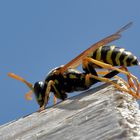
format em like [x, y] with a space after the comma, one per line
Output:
[87, 79]
[106, 72]
[116, 85]
[124, 82]
[103, 79]
[102, 72]
[117, 77]
[123, 70]
[47, 94]
[131, 82]
[110, 67]
[134, 94]
[103, 65]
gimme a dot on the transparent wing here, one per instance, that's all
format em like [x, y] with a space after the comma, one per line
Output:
[78, 60]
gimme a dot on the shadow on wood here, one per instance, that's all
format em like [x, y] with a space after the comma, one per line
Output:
[102, 113]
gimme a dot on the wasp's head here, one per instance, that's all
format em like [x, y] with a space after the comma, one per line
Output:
[39, 91]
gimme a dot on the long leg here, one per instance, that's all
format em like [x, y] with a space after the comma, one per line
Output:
[88, 67]
[113, 75]
[115, 84]
[108, 66]
[57, 94]
[91, 80]
[103, 65]
[131, 82]
[89, 61]
[137, 96]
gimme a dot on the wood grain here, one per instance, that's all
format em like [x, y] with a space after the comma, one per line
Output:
[102, 113]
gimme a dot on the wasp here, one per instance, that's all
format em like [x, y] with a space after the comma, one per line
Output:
[66, 78]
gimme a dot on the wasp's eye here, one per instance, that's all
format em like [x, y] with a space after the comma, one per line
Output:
[39, 90]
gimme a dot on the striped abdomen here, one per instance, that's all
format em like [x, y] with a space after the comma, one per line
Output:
[115, 56]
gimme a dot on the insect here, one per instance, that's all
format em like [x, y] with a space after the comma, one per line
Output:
[67, 78]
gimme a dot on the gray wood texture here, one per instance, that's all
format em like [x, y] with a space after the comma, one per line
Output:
[102, 113]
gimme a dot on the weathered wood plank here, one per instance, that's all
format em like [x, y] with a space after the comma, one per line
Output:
[105, 115]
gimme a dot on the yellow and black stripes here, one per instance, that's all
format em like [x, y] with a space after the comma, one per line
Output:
[115, 56]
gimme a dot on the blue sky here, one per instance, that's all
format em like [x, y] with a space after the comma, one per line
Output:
[36, 36]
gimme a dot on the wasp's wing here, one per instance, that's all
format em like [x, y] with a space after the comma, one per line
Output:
[78, 60]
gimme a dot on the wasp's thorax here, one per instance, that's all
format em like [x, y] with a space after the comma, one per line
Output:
[39, 91]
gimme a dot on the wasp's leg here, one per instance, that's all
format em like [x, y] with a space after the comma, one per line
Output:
[107, 76]
[107, 73]
[123, 81]
[102, 72]
[108, 66]
[89, 80]
[88, 67]
[88, 60]
[134, 94]
[93, 62]
[130, 78]
[57, 94]
[47, 94]
[115, 84]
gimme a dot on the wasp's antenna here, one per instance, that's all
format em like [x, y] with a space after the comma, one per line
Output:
[12, 75]
[27, 95]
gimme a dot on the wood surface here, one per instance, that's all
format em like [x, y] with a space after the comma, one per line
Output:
[101, 113]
